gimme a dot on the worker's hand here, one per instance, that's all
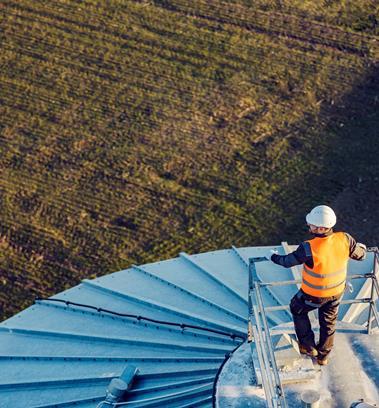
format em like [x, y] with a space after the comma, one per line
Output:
[362, 246]
[270, 253]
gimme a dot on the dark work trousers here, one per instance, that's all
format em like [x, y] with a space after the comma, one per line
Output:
[301, 304]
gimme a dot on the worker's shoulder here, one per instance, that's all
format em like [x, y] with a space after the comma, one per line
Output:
[343, 233]
[351, 242]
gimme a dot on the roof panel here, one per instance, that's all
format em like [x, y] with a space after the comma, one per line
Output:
[66, 353]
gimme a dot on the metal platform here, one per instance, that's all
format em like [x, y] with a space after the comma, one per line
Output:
[175, 320]
[356, 352]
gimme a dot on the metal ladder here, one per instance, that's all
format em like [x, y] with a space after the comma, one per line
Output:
[259, 335]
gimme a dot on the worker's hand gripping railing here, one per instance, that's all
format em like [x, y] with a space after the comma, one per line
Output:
[259, 335]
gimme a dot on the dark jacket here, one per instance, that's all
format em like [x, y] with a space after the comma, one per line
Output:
[303, 254]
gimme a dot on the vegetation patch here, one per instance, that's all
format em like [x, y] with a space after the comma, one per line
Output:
[133, 130]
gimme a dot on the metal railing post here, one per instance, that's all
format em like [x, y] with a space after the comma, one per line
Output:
[372, 307]
[250, 306]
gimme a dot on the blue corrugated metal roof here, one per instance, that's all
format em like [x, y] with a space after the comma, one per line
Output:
[56, 354]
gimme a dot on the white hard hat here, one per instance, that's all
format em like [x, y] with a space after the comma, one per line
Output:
[322, 216]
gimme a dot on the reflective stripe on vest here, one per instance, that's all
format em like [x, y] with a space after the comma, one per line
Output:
[323, 275]
[330, 256]
[333, 285]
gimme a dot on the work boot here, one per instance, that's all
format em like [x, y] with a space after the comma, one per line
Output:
[309, 351]
[322, 360]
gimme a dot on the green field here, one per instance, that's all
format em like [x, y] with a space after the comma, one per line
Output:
[133, 130]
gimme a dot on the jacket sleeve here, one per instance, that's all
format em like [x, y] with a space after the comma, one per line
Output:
[357, 251]
[301, 255]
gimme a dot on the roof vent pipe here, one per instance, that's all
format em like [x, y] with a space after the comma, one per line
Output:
[118, 386]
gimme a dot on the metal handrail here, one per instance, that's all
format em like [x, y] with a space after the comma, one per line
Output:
[374, 289]
[296, 281]
[258, 330]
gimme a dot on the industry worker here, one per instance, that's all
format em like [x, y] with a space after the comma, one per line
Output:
[324, 259]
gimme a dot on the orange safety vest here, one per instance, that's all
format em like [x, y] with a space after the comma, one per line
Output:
[330, 257]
